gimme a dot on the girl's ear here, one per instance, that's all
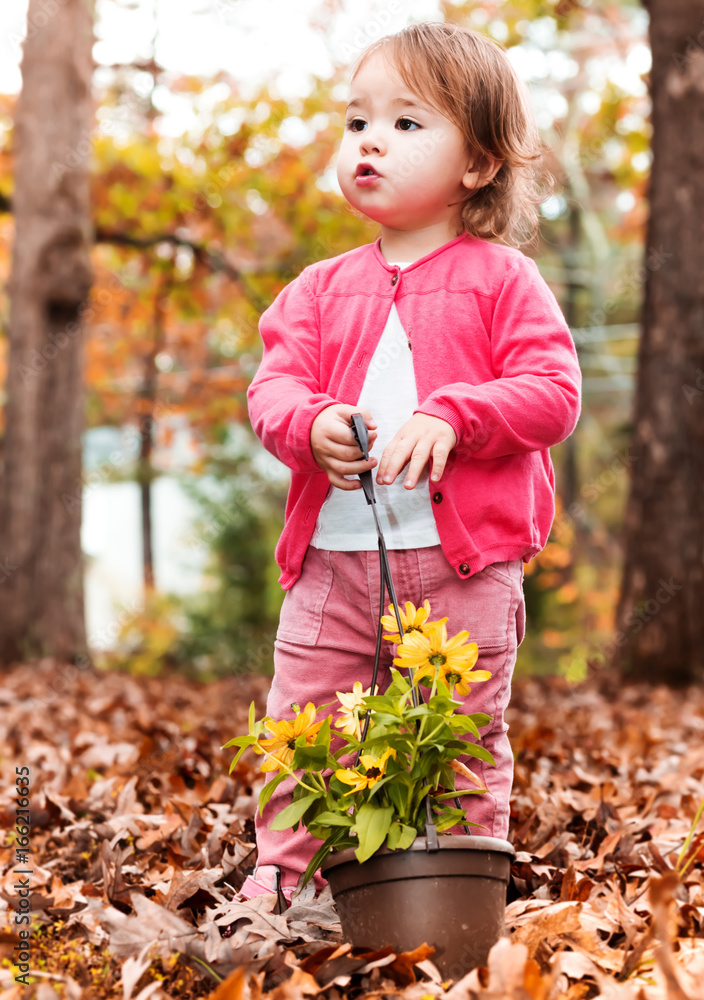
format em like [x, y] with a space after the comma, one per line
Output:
[476, 175]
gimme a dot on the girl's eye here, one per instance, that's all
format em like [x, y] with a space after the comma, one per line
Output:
[353, 122]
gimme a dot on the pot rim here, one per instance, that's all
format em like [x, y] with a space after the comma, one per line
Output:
[447, 841]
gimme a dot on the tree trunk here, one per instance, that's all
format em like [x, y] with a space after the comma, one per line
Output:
[660, 617]
[570, 262]
[40, 490]
[147, 408]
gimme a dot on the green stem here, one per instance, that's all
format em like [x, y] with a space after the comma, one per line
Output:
[688, 841]
[216, 975]
[433, 690]
[421, 727]
[430, 735]
[288, 771]
[416, 745]
[682, 872]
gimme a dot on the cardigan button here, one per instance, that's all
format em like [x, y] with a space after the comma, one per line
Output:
[437, 497]
[464, 568]
[394, 279]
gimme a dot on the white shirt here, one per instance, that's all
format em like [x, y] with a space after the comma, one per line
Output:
[345, 522]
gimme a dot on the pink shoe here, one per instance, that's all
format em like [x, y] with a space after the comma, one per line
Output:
[265, 881]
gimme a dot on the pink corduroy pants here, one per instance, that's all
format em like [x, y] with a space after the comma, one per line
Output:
[326, 640]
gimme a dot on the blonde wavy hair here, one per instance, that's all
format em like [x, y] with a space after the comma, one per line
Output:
[469, 79]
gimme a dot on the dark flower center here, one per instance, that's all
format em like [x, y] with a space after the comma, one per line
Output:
[437, 659]
[453, 678]
[374, 772]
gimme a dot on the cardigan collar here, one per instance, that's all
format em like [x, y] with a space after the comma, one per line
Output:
[376, 251]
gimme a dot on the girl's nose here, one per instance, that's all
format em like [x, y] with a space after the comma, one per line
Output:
[370, 144]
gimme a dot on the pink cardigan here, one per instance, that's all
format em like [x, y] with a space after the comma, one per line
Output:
[492, 355]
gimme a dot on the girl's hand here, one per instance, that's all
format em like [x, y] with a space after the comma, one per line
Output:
[334, 446]
[419, 437]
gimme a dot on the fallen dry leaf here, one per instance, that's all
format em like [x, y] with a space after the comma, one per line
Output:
[141, 838]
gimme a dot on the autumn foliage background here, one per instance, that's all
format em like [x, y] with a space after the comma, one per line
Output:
[141, 837]
[195, 235]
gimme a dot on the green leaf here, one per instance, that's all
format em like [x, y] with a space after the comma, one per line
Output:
[333, 819]
[397, 792]
[338, 837]
[237, 756]
[460, 792]
[316, 861]
[476, 750]
[310, 758]
[385, 719]
[481, 719]
[449, 818]
[463, 724]
[401, 742]
[400, 681]
[408, 835]
[269, 789]
[382, 704]
[394, 836]
[239, 741]
[351, 741]
[323, 737]
[443, 705]
[382, 783]
[400, 837]
[372, 826]
[292, 814]
[418, 713]
[446, 820]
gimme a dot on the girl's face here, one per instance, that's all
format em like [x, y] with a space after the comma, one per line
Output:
[420, 158]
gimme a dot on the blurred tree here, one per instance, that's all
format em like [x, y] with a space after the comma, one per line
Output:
[225, 214]
[231, 626]
[659, 616]
[40, 543]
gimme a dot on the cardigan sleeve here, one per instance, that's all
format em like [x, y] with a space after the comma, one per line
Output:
[284, 396]
[534, 401]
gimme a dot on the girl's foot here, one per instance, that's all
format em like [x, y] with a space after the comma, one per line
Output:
[264, 882]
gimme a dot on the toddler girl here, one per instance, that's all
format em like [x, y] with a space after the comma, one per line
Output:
[456, 353]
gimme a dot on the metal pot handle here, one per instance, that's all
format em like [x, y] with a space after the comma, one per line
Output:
[361, 434]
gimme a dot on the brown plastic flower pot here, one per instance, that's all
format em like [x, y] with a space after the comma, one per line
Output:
[452, 898]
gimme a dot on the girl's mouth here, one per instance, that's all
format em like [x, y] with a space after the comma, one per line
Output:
[366, 175]
[367, 179]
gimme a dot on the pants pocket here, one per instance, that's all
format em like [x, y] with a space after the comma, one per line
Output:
[500, 571]
[301, 616]
[488, 599]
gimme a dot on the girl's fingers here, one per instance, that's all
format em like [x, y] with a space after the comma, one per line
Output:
[344, 484]
[337, 474]
[348, 452]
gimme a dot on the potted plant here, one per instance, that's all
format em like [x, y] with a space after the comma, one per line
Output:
[377, 788]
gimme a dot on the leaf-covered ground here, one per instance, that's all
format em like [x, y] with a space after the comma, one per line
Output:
[140, 839]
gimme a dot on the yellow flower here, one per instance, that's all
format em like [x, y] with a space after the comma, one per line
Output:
[282, 744]
[451, 657]
[414, 620]
[349, 720]
[374, 770]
